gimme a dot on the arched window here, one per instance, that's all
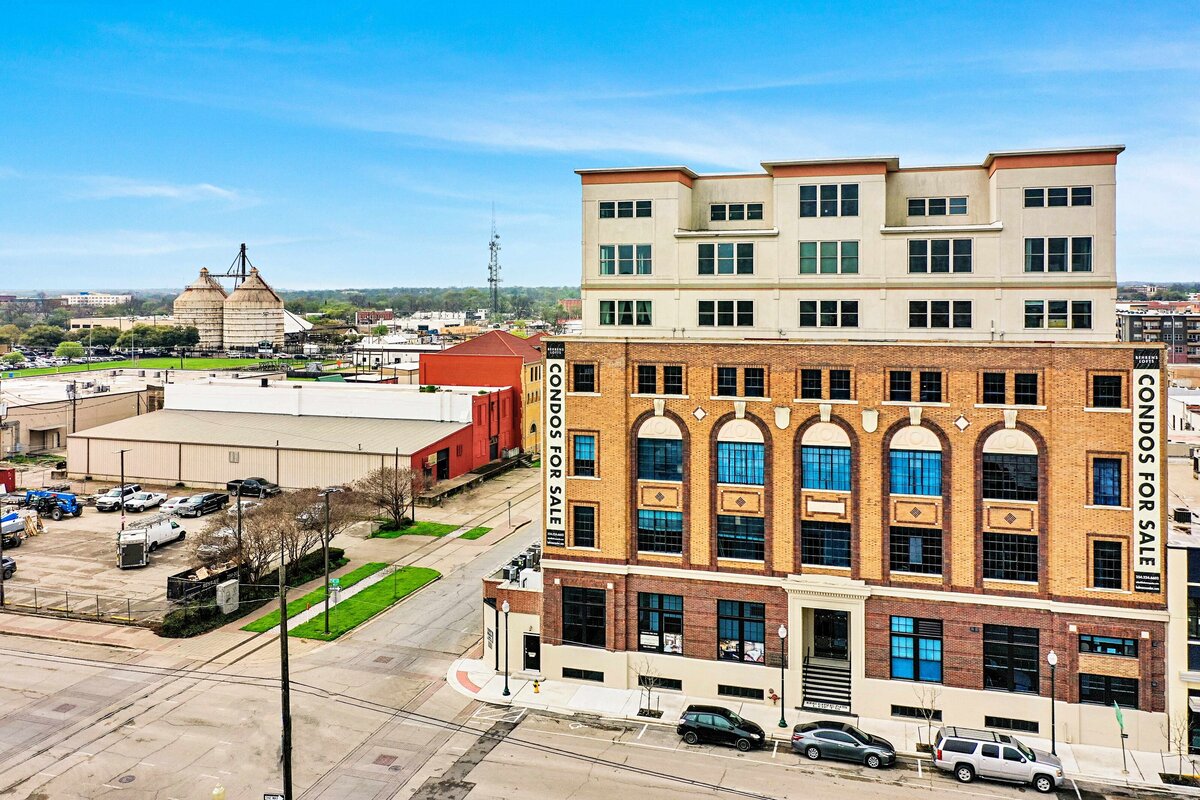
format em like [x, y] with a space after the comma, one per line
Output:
[659, 450]
[533, 427]
[740, 453]
[1010, 466]
[915, 460]
[825, 458]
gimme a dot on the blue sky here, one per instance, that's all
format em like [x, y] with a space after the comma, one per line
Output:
[360, 145]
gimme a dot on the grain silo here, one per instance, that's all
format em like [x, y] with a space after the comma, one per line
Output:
[202, 304]
[253, 314]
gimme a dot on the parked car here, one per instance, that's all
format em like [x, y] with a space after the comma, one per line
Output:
[972, 753]
[200, 504]
[842, 741]
[173, 505]
[10, 566]
[142, 501]
[253, 487]
[111, 500]
[219, 544]
[719, 726]
[247, 507]
[135, 544]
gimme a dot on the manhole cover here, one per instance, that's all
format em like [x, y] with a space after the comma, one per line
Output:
[383, 659]
[126, 779]
[64, 708]
[385, 761]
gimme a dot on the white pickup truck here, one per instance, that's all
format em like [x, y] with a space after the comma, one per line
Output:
[138, 541]
[144, 501]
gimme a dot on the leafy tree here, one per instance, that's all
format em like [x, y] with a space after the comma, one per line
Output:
[46, 336]
[10, 334]
[71, 350]
[379, 330]
[14, 358]
[95, 337]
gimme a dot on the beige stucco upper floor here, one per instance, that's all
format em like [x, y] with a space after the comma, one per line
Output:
[816, 229]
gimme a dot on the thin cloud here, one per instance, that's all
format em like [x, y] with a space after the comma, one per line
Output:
[109, 187]
[122, 243]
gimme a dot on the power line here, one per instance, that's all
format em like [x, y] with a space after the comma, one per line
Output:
[392, 711]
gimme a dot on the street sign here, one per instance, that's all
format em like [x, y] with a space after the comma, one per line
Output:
[1120, 717]
[335, 582]
[274, 797]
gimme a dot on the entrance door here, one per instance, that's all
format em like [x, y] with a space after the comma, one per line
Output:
[443, 464]
[533, 652]
[831, 634]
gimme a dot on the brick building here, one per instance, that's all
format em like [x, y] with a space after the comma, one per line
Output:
[918, 515]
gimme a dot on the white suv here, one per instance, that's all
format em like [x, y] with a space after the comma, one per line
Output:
[971, 753]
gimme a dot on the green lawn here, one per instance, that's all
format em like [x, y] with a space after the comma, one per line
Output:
[359, 608]
[475, 533]
[269, 621]
[419, 529]
[143, 363]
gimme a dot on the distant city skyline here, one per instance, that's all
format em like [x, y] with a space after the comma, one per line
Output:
[366, 146]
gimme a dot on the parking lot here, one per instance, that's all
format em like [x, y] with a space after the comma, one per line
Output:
[72, 566]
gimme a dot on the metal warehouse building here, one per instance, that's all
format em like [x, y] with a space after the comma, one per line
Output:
[298, 435]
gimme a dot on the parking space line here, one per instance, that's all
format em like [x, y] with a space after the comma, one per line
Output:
[775, 749]
[642, 732]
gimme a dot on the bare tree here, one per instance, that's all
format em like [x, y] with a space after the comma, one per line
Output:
[649, 679]
[927, 697]
[1175, 730]
[392, 491]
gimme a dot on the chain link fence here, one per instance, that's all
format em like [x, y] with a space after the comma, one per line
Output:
[84, 605]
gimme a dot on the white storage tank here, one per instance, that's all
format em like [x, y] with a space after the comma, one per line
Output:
[253, 314]
[202, 304]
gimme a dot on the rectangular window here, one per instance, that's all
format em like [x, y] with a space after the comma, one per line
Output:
[740, 463]
[608, 312]
[672, 380]
[1010, 724]
[917, 472]
[1058, 254]
[576, 674]
[647, 379]
[754, 211]
[625, 312]
[811, 385]
[737, 212]
[660, 459]
[958, 206]
[916, 206]
[962, 313]
[659, 531]
[644, 317]
[1104, 690]
[939, 255]
[1035, 198]
[829, 258]
[839, 384]
[1025, 389]
[916, 550]
[931, 387]
[740, 692]
[826, 468]
[726, 258]
[829, 313]
[849, 199]
[939, 314]
[900, 386]
[644, 261]
[1106, 481]
[660, 623]
[1108, 564]
[726, 313]
[824, 544]
[916, 649]
[1081, 314]
[608, 259]
[1010, 557]
[1010, 658]
[585, 455]
[583, 526]
[624, 208]
[912, 712]
[656, 682]
[754, 381]
[583, 377]
[936, 206]
[1108, 645]
[642, 208]
[727, 383]
[808, 201]
[1058, 196]
[1010, 476]
[1107, 391]
[624, 259]
[740, 537]
[608, 209]
[745, 258]
[1081, 195]
[994, 389]
[583, 616]
[741, 629]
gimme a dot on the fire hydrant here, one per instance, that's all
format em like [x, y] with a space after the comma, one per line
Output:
[774, 697]
[536, 687]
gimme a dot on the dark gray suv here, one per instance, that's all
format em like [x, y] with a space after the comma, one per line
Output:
[842, 741]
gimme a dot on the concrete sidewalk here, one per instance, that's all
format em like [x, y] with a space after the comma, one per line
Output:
[477, 679]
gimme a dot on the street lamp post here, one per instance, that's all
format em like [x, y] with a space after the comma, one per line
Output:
[1052, 660]
[782, 675]
[122, 498]
[325, 544]
[506, 608]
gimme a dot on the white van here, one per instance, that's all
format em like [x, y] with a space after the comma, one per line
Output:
[135, 543]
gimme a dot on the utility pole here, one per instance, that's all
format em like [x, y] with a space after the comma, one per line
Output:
[123, 452]
[72, 392]
[494, 264]
[285, 697]
[326, 494]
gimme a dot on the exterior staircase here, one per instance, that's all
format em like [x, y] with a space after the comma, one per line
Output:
[826, 686]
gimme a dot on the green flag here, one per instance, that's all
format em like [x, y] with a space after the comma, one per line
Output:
[1120, 716]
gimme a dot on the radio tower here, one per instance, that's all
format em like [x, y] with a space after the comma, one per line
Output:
[494, 264]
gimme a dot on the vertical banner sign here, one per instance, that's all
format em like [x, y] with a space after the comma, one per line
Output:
[1147, 471]
[554, 460]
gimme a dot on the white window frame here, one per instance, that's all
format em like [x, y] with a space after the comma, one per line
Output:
[745, 212]
[1045, 315]
[840, 313]
[1045, 254]
[738, 308]
[929, 326]
[839, 200]
[929, 256]
[948, 199]
[1045, 190]
[840, 257]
